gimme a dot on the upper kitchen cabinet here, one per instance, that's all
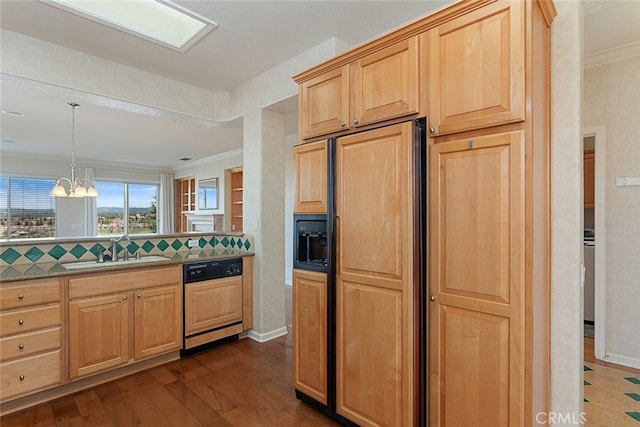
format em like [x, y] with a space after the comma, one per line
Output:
[323, 102]
[589, 181]
[378, 85]
[385, 83]
[476, 69]
[310, 178]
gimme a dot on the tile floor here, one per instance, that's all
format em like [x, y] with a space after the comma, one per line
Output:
[612, 395]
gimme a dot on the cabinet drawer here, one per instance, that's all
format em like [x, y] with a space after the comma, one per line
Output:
[29, 374]
[29, 343]
[30, 319]
[29, 294]
[112, 283]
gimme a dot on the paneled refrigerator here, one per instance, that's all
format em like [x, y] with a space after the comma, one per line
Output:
[359, 323]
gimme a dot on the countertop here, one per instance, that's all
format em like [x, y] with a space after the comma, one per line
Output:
[43, 270]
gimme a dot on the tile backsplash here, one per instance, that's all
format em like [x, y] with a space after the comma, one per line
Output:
[69, 250]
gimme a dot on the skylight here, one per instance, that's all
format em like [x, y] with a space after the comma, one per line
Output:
[158, 21]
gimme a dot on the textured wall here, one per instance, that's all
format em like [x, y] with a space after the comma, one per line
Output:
[566, 210]
[611, 94]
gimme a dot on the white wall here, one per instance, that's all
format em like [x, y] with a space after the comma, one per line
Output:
[611, 94]
[566, 394]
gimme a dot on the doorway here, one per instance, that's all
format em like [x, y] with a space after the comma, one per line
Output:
[594, 138]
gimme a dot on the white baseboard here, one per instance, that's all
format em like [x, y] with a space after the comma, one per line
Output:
[268, 336]
[622, 360]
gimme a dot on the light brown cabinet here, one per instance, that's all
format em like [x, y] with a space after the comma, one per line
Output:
[30, 337]
[310, 178]
[185, 194]
[234, 199]
[310, 333]
[380, 86]
[374, 286]
[477, 269]
[589, 179]
[119, 318]
[476, 69]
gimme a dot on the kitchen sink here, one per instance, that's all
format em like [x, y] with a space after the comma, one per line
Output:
[93, 264]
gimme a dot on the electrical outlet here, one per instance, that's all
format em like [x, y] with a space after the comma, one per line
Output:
[192, 243]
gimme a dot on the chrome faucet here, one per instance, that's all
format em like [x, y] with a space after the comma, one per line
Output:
[114, 247]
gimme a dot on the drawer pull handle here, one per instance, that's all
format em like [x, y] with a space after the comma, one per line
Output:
[21, 377]
[125, 297]
[139, 295]
[20, 346]
[20, 296]
[20, 322]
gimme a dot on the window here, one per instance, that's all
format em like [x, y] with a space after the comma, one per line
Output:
[127, 208]
[26, 209]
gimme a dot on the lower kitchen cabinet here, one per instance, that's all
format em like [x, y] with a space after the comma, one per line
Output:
[98, 334]
[310, 333]
[119, 318]
[30, 337]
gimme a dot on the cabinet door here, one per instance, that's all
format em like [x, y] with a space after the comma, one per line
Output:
[158, 321]
[324, 103]
[212, 304]
[374, 281]
[589, 179]
[476, 69]
[98, 334]
[385, 83]
[310, 178]
[310, 334]
[477, 269]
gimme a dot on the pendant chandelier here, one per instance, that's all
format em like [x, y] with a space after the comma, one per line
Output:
[78, 187]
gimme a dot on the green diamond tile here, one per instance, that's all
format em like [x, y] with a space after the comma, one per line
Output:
[95, 249]
[177, 244]
[634, 415]
[57, 252]
[586, 368]
[225, 242]
[34, 254]
[586, 382]
[634, 396]
[632, 380]
[202, 242]
[148, 246]
[133, 247]
[78, 250]
[232, 242]
[247, 245]
[10, 256]
[213, 242]
[162, 245]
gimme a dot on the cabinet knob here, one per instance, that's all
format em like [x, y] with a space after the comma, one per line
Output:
[432, 298]
[432, 129]
[20, 346]
[20, 322]
[125, 297]
[21, 377]
[20, 296]
[139, 295]
[343, 124]
[355, 121]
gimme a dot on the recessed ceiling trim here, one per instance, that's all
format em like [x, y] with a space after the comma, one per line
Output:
[158, 21]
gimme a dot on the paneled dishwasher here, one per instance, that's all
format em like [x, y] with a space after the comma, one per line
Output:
[212, 302]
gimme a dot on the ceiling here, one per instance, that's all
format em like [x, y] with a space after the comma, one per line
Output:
[251, 37]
